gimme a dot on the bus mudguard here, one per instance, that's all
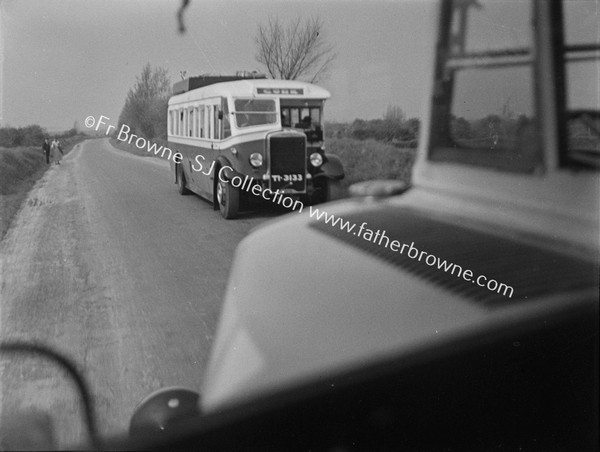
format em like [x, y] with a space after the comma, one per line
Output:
[333, 167]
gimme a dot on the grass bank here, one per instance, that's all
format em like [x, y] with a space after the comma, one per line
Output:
[20, 168]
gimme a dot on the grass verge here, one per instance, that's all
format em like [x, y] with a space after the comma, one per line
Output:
[20, 168]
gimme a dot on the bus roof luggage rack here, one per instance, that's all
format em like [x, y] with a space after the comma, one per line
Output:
[188, 84]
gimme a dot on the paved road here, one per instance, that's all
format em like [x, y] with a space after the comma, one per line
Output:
[108, 263]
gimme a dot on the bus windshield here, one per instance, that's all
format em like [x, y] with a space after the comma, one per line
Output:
[255, 112]
[301, 117]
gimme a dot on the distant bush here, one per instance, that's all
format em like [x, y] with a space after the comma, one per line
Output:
[337, 130]
[68, 134]
[370, 159]
[16, 165]
[393, 128]
[386, 130]
[11, 137]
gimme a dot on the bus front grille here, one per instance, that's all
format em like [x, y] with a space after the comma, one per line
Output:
[287, 156]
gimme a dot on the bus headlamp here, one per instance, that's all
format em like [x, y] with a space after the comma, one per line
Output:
[256, 159]
[316, 159]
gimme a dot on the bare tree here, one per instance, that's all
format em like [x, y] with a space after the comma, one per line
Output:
[294, 50]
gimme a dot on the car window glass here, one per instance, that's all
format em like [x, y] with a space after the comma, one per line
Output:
[487, 87]
[582, 57]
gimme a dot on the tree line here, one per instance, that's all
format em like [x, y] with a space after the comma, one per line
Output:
[394, 128]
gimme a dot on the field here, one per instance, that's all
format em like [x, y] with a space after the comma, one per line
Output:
[20, 168]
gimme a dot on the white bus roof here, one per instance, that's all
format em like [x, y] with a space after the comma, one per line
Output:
[258, 88]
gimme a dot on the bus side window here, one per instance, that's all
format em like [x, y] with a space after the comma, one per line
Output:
[202, 128]
[195, 123]
[216, 122]
[226, 119]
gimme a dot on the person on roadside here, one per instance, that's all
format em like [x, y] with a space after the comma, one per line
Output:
[46, 149]
[56, 150]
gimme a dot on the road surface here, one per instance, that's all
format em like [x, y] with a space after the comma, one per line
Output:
[108, 263]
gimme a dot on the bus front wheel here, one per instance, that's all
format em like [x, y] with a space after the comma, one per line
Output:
[228, 198]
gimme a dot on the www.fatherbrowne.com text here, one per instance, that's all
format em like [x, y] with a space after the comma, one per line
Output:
[379, 237]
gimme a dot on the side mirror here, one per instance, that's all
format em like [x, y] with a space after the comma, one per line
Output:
[163, 409]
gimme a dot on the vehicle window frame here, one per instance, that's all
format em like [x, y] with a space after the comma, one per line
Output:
[560, 50]
[444, 89]
[275, 113]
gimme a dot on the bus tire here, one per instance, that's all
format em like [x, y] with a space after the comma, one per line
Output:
[181, 185]
[228, 198]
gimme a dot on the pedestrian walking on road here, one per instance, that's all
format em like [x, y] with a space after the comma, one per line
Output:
[57, 151]
[46, 149]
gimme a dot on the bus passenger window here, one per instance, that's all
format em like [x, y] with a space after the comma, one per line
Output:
[202, 115]
[195, 123]
[216, 122]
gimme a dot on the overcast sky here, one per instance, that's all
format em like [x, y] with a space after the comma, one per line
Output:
[63, 60]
